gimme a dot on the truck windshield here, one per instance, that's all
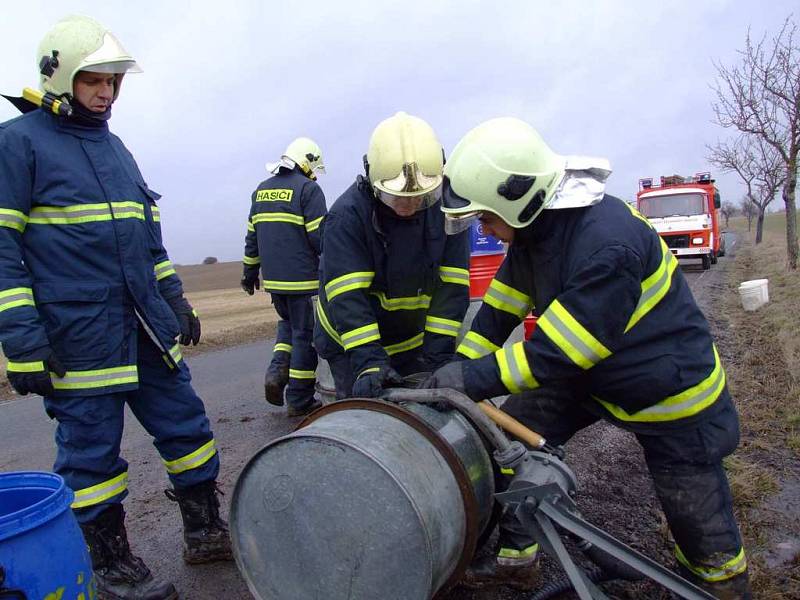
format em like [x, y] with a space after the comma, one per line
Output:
[674, 205]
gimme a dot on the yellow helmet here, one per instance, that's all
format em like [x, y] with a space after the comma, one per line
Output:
[502, 166]
[79, 43]
[404, 164]
[306, 154]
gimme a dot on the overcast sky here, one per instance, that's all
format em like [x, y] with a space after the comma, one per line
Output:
[226, 85]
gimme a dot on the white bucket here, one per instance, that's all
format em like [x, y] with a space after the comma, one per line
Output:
[754, 294]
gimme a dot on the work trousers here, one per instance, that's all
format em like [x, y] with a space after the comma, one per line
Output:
[294, 345]
[685, 464]
[90, 429]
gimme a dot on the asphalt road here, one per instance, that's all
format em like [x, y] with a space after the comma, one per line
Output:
[230, 382]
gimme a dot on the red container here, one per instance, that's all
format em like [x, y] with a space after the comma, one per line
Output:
[482, 268]
[528, 325]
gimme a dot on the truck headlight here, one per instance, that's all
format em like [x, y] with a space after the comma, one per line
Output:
[697, 241]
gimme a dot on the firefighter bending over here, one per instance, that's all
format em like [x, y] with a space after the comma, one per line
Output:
[619, 337]
[91, 308]
[393, 288]
[283, 239]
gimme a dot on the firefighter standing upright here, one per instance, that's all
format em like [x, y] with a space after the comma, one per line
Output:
[90, 308]
[283, 242]
[394, 288]
[619, 337]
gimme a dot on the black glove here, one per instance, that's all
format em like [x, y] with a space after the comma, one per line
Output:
[250, 281]
[449, 376]
[187, 319]
[37, 382]
[370, 385]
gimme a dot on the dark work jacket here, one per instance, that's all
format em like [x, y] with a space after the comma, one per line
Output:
[389, 285]
[81, 257]
[283, 232]
[615, 313]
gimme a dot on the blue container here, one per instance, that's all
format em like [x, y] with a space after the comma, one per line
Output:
[482, 243]
[42, 550]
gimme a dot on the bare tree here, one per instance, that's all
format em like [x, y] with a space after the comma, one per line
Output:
[758, 165]
[748, 209]
[728, 210]
[761, 97]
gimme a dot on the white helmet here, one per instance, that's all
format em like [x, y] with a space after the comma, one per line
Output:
[404, 164]
[79, 43]
[305, 153]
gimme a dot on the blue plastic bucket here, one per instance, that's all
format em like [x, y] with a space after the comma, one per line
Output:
[42, 551]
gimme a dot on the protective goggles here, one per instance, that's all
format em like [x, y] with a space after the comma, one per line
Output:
[406, 205]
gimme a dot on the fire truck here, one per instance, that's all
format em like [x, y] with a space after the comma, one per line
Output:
[685, 213]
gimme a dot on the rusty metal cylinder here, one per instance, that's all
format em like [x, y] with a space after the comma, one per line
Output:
[365, 500]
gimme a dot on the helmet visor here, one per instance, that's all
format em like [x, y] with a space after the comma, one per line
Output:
[408, 204]
[119, 66]
[454, 224]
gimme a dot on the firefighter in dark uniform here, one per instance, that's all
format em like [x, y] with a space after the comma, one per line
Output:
[393, 287]
[90, 309]
[619, 337]
[283, 242]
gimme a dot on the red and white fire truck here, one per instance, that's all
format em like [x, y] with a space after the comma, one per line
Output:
[685, 213]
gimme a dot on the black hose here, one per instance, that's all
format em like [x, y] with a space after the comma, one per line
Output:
[613, 567]
[555, 588]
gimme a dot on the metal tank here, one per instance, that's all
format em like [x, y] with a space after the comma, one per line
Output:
[366, 499]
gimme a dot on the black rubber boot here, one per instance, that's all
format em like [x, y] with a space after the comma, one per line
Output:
[205, 534]
[118, 573]
[491, 570]
[291, 411]
[735, 588]
[275, 382]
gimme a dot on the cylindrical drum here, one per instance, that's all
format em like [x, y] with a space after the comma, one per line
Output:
[365, 500]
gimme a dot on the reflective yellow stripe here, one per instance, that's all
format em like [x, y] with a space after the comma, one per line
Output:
[572, 338]
[292, 286]
[314, 225]
[85, 213]
[405, 346]
[13, 219]
[454, 275]
[193, 460]
[281, 347]
[277, 218]
[25, 367]
[298, 374]
[505, 298]
[175, 352]
[687, 403]
[732, 568]
[326, 325]
[515, 372]
[638, 215]
[348, 282]
[421, 302]
[164, 269]
[442, 326]
[506, 471]
[369, 370]
[360, 336]
[252, 261]
[156, 214]
[474, 345]
[655, 287]
[14, 297]
[513, 553]
[100, 492]
[98, 378]
[250, 226]
[274, 195]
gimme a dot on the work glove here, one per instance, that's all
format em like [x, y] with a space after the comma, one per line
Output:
[38, 381]
[187, 319]
[450, 376]
[250, 281]
[370, 385]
